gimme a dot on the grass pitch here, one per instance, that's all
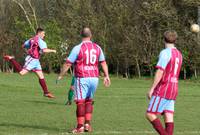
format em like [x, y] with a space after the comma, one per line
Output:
[118, 110]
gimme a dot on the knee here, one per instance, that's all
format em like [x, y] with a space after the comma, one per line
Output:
[41, 76]
[147, 115]
[150, 116]
[23, 72]
[169, 117]
[88, 101]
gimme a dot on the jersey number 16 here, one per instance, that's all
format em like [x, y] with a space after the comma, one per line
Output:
[91, 56]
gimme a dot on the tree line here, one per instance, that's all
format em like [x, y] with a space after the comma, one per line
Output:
[130, 32]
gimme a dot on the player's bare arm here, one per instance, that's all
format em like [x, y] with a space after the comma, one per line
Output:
[105, 70]
[46, 50]
[157, 78]
[64, 69]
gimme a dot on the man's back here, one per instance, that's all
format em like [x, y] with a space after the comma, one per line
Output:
[86, 64]
[35, 45]
[168, 86]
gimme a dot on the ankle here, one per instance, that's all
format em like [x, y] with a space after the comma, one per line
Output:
[87, 122]
[79, 125]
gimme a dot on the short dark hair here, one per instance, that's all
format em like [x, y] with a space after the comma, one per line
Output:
[39, 30]
[86, 32]
[170, 36]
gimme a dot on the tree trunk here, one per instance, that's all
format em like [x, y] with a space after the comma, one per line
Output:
[151, 71]
[195, 73]
[138, 68]
[126, 74]
[26, 15]
[50, 68]
[117, 68]
[185, 74]
[128, 71]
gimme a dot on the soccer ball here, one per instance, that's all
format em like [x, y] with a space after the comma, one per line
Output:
[195, 28]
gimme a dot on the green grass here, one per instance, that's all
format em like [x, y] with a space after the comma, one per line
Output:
[118, 110]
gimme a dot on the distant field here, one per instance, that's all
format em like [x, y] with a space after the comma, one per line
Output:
[118, 110]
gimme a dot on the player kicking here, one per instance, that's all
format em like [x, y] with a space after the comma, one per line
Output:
[36, 45]
[164, 89]
[85, 57]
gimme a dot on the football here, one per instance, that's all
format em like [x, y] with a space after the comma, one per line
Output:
[195, 28]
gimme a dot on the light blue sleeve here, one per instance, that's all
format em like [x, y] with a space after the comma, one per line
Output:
[101, 57]
[27, 44]
[164, 58]
[74, 54]
[42, 44]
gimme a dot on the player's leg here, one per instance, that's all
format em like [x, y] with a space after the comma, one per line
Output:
[156, 123]
[43, 84]
[70, 96]
[169, 123]
[88, 114]
[28, 66]
[93, 82]
[38, 70]
[155, 107]
[23, 72]
[80, 115]
[71, 92]
[15, 64]
[79, 96]
[169, 117]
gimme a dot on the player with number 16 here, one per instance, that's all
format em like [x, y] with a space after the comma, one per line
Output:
[85, 58]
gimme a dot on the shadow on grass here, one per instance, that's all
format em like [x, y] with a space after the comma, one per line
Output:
[39, 127]
[32, 127]
[44, 102]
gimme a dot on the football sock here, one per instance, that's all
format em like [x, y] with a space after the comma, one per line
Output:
[79, 125]
[80, 114]
[169, 128]
[16, 65]
[44, 86]
[158, 127]
[88, 110]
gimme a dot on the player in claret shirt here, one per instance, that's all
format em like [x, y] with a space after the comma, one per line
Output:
[85, 58]
[164, 89]
[35, 46]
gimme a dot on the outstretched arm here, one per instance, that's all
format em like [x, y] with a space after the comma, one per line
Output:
[157, 78]
[106, 75]
[46, 50]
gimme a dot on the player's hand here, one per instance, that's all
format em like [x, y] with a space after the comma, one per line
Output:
[106, 81]
[58, 78]
[150, 92]
[54, 51]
